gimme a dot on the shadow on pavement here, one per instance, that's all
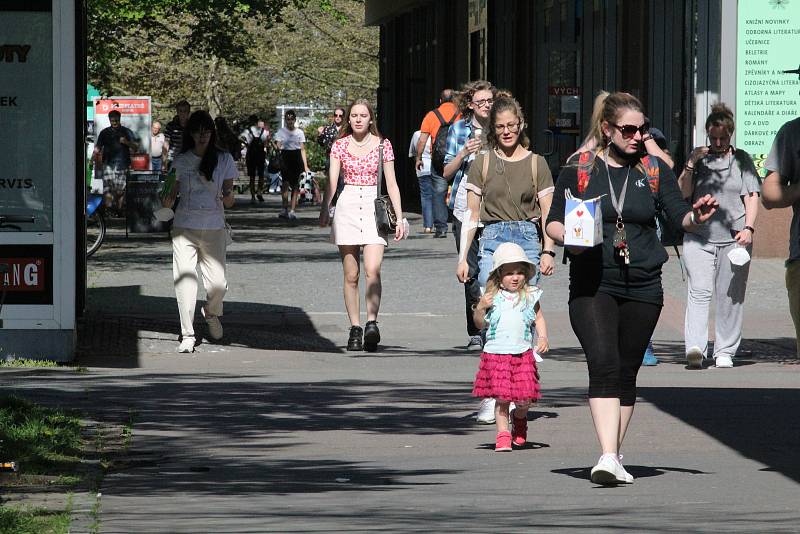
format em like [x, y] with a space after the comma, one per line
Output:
[761, 424]
[638, 471]
[751, 351]
[123, 324]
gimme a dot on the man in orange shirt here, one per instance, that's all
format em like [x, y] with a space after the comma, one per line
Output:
[440, 118]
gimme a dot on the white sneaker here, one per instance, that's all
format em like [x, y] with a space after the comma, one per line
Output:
[694, 358]
[609, 471]
[292, 216]
[724, 361]
[475, 343]
[214, 325]
[628, 476]
[187, 345]
[486, 412]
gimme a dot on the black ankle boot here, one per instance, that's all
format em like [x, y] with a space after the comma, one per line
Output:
[354, 343]
[372, 336]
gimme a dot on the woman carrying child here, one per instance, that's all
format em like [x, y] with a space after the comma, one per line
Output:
[507, 371]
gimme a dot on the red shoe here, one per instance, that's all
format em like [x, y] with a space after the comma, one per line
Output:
[519, 431]
[503, 443]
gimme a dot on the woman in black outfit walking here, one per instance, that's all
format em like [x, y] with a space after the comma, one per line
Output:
[615, 287]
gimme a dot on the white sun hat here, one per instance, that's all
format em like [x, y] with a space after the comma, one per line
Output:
[510, 253]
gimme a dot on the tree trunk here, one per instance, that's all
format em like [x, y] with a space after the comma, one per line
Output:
[212, 88]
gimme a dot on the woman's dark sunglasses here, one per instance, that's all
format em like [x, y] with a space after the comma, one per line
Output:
[629, 130]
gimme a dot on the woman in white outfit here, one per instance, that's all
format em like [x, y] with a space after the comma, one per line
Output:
[730, 176]
[355, 155]
[205, 175]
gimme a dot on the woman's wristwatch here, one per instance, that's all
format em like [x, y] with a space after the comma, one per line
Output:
[549, 253]
[752, 230]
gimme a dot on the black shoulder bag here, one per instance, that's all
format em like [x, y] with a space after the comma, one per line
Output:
[385, 217]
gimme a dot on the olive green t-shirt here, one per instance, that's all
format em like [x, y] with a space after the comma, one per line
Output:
[509, 191]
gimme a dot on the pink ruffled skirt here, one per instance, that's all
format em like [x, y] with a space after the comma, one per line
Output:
[507, 377]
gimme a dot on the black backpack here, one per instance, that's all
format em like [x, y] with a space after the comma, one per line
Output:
[439, 144]
[255, 143]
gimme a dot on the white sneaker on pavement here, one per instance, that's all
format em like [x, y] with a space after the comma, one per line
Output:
[292, 216]
[475, 343]
[187, 345]
[694, 358]
[486, 412]
[609, 471]
[214, 325]
[724, 361]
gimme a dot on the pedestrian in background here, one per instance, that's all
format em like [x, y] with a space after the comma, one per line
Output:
[424, 180]
[441, 117]
[174, 132]
[205, 175]
[781, 189]
[226, 139]
[507, 371]
[729, 175]
[615, 292]
[464, 139]
[356, 155]
[255, 138]
[113, 147]
[157, 141]
[292, 143]
[326, 135]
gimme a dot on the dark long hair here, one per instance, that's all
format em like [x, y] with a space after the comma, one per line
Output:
[227, 139]
[201, 120]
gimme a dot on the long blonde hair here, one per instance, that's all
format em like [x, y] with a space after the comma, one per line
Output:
[494, 283]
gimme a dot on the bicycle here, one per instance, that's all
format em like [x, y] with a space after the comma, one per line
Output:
[95, 223]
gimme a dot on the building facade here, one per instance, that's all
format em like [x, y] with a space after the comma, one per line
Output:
[677, 56]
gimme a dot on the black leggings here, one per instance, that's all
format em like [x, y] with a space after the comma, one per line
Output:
[614, 333]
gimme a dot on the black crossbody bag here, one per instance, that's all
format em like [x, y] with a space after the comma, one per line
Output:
[385, 217]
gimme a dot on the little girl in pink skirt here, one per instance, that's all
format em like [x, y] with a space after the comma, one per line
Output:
[507, 370]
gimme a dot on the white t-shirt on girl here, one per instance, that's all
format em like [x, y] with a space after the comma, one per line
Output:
[509, 321]
[200, 206]
[291, 139]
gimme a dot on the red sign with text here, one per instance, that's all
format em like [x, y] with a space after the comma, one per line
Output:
[125, 106]
[23, 274]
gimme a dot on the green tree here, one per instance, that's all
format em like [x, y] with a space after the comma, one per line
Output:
[260, 54]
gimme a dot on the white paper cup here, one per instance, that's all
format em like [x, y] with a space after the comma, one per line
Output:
[164, 214]
[739, 256]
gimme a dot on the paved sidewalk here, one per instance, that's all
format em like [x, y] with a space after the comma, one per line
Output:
[279, 429]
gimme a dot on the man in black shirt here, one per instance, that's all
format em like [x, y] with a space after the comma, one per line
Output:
[174, 132]
[114, 145]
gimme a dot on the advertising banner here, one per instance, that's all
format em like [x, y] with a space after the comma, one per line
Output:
[135, 115]
[768, 35]
[26, 274]
[26, 115]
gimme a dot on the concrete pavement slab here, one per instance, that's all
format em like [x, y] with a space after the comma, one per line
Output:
[279, 429]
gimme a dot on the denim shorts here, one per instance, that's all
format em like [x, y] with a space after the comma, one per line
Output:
[523, 233]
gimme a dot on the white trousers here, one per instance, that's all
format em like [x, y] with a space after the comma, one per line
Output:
[190, 247]
[709, 271]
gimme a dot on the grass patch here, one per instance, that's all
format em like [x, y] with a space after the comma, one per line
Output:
[27, 362]
[33, 521]
[43, 441]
